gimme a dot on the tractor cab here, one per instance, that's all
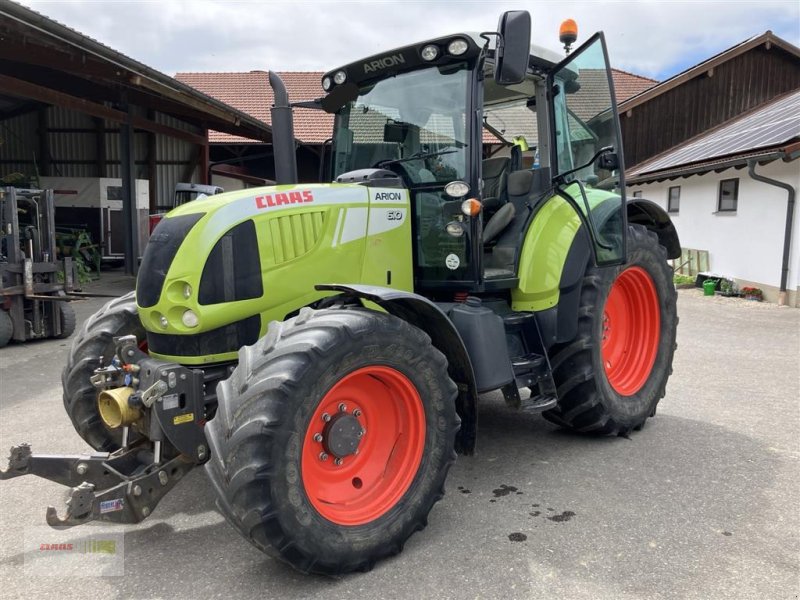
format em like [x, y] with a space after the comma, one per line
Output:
[479, 142]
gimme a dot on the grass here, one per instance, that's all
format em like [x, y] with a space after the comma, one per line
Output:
[679, 279]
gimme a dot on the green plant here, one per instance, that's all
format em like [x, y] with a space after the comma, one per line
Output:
[728, 287]
[679, 279]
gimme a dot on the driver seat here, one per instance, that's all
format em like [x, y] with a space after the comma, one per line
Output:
[495, 174]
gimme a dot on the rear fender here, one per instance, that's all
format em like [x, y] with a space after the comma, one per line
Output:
[424, 314]
[651, 215]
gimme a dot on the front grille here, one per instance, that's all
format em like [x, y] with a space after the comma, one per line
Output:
[164, 242]
[228, 338]
[233, 269]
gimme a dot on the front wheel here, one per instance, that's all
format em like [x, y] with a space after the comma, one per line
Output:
[333, 438]
[613, 374]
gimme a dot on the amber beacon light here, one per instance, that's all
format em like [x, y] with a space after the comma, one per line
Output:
[568, 33]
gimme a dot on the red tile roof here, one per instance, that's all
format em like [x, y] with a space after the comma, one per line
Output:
[251, 93]
[627, 85]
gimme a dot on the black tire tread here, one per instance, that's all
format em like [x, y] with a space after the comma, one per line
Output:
[581, 406]
[68, 320]
[247, 425]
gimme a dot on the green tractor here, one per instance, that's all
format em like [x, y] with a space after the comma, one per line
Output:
[321, 348]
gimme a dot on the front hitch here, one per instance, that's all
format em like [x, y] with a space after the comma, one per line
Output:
[164, 404]
[123, 487]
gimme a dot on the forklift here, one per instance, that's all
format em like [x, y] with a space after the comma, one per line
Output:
[35, 287]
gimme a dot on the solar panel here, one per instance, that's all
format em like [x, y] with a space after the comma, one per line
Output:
[770, 125]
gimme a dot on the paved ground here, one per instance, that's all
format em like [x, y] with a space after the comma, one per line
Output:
[700, 504]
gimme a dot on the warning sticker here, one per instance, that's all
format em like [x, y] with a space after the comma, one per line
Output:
[185, 418]
[452, 262]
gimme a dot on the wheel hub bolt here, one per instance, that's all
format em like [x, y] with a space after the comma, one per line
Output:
[342, 407]
[326, 417]
[338, 462]
[323, 456]
[357, 412]
[317, 437]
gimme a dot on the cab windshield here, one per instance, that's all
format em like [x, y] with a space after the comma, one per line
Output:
[413, 124]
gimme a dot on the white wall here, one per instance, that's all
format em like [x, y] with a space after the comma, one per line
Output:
[747, 244]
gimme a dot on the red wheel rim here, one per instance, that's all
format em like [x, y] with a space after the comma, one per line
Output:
[631, 331]
[361, 486]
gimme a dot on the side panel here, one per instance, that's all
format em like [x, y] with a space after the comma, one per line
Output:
[388, 256]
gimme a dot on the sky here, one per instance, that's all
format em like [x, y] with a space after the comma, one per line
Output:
[654, 39]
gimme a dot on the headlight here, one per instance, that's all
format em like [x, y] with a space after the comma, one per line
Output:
[326, 83]
[163, 321]
[430, 52]
[187, 291]
[457, 47]
[189, 318]
[340, 77]
[456, 189]
[455, 229]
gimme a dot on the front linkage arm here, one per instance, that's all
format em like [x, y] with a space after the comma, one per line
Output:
[123, 487]
[165, 403]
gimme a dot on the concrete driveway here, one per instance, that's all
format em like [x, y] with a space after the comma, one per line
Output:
[703, 503]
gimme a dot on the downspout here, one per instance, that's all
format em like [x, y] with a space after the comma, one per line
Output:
[283, 147]
[787, 236]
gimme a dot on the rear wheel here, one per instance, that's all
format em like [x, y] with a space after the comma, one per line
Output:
[333, 438]
[95, 341]
[613, 374]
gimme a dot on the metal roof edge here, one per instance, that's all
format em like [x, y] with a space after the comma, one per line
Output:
[163, 82]
[787, 153]
[707, 64]
[710, 130]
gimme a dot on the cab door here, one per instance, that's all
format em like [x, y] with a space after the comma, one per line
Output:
[584, 121]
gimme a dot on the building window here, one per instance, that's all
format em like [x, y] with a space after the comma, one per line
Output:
[674, 199]
[637, 194]
[728, 195]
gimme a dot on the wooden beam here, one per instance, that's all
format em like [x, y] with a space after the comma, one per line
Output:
[25, 89]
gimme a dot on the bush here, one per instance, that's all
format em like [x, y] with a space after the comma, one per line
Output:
[679, 279]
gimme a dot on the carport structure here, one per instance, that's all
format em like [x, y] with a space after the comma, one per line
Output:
[73, 107]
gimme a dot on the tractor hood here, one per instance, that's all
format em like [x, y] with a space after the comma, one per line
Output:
[218, 269]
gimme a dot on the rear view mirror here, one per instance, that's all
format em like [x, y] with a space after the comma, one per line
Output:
[608, 161]
[395, 132]
[513, 47]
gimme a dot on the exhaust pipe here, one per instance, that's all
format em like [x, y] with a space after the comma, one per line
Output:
[283, 148]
